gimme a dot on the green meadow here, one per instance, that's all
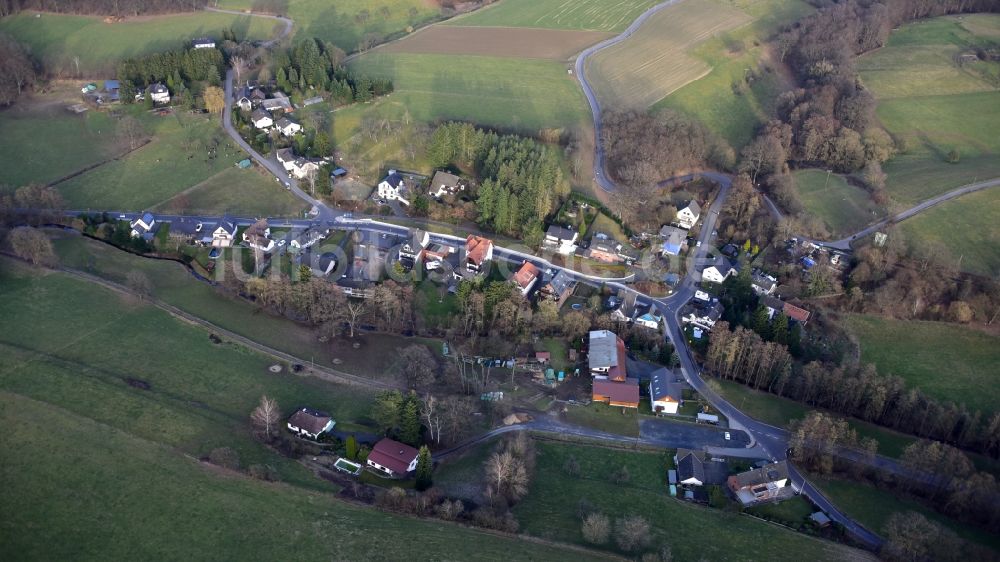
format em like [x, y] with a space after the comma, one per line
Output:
[843, 208]
[586, 15]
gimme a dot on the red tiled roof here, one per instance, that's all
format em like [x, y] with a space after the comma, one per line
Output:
[526, 275]
[393, 455]
[796, 313]
[476, 248]
[627, 391]
[618, 372]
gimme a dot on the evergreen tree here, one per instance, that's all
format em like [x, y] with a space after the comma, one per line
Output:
[780, 329]
[409, 420]
[761, 322]
[352, 447]
[293, 78]
[795, 340]
[282, 78]
[425, 469]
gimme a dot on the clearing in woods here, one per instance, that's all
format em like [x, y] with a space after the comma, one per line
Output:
[56, 39]
[591, 15]
[498, 42]
[934, 104]
[655, 61]
[842, 207]
[967, 226]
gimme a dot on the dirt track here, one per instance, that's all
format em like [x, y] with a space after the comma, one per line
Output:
[526, 43]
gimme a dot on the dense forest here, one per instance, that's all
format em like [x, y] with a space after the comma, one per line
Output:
[313, 65]
[120, 8]
[522, 179]
[177, 69]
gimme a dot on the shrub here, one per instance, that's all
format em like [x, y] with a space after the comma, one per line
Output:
[596, 528]
[224, 457]
[631, 533]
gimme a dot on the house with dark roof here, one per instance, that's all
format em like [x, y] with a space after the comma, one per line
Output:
[764, 484]
[310, 423]
[775, 305]
[690, 467]
[558, 286]
[392, 458]
[704, 317]
[526, 277]
[143, 227]
[560, 239]
[258, 236]
[287, 127]
[444, 183]
[222, 235]
[159, 93]
[762, 283]
[392, 187]
[665, 394]
[411, 252]
[718, 273]
[674, 240]
[688, 216]
[261, 119]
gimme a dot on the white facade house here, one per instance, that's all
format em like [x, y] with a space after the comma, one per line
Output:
[392, 458]
[303, 167]
[310, 423]
[142, 225]
[392, 188]
[762, 283]
[224, 234]
[159, 93]
[719, 273]
[648, 320]
[444, 183]
[562, 240]
[688, 216]
[261, 119]
[287, 158]
[665, 395]
[258, 236]
[288, 127]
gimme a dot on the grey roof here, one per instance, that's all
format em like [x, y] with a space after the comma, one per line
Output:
[767, 473]
[603, 352]
[394, 179]
[661, 385]
[560, 233]
[185, 226]
[158, 89]
[672, 232]
[259, 114]
[417, 239]
[694, 206]
[284, 122]
[772, 302]
[444, 178]
[285, 155]
[690, 464]
[310, 420]
[762, 280]
[226, 224]
[561, 281]
[714, 312]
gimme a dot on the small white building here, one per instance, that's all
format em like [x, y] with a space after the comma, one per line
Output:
[688, 216]
[223, 235]
[261, 119]
[203, 43]
[392, 188]
[719, 273]
[665, 395]
[560, 239]
[310, 423]
[302, 167]
[142, 225]
[288, 127]
[159, 93]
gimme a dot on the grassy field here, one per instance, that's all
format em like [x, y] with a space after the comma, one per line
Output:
[57, 39]
[842, 207]
[654, 61]
[967, 226]
[176, 159]
[721, 99]
[623, 421]
[946, 361]
[346, 22]
[45, 142]
[521, 42]
[105, 493]
[936, 106]
[235, 191]
[591, 15]
[872, 507]
[550, 510]
[508, 93]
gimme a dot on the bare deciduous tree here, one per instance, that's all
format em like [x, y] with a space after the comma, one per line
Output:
[32, 245]
[265, 417]
[139, 283]
[596, 528]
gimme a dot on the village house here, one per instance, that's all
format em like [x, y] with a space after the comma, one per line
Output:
[159, 93]
[412, 251]
[526, 277]
[690, 467]
[674, 240]
[607, 362]
[286, 156]
[287, 127]
[257, 96]
[558, 287]
[222, 235]
[203, 43]
[444, 183]
[762, 283]
[278, 102]
[307, 238]
[392, 188]
[665, 395]
[649, 319]
[258, 236]
[392, 458]
[143, 227]
[261, 119]
[302, 168]
[764, 484]
[435, 255]
[719, 273]
[688, 216]
[310, 423]
[704, 317]
[186, 229]
[244, 102]
[561, 240]
[775, 305]
[478, 251]
[604, 251]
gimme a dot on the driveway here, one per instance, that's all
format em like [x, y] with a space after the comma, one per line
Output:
[670, 433]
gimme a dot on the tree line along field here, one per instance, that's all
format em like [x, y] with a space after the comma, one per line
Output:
[345, 22]
[946, 361]
[590, 15]
[56, 39]
[723, 99]
[133, 449]
[507, 93]
[935, 106]
[654, 61]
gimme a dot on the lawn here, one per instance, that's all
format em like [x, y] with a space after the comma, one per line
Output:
[792, 512]
[968, 226]
[104, 493]
[56, 39]
[47, 142]
[936, 106]
[507, 93]
[721, 99]
[655, 60]
[946, 361]
[346, 22]
[550, 509]
[88, 350]
[590, 15]
[623, 421]
[176, 159]
[872, 507]
[461, 475]
[843, 208]
[239, 192]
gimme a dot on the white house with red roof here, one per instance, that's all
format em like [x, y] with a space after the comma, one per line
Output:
[392, 458]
